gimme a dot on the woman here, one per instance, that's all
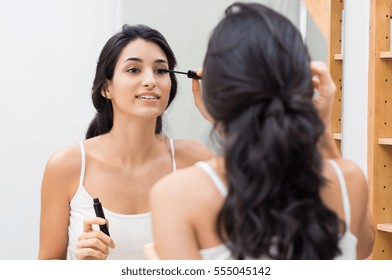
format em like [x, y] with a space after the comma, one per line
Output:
[123, 155]
[272, 195]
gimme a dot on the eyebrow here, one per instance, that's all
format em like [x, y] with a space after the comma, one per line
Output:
[141, 60]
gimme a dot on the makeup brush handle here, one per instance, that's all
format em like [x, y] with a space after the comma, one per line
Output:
[192, 74]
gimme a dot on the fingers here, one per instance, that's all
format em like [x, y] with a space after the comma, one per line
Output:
[196, 88]
[88, 254]
[89, 222]
[89, 232]
[93, 244]
[91, 248]
[150, 251]
[326, 89]
[198, 97]
[322, 77]
[320, 69]
[199, 72]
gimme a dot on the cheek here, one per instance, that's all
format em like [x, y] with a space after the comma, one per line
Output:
[166, 87]
[168, 84]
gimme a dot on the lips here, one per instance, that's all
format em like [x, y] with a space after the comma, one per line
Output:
[148, 96]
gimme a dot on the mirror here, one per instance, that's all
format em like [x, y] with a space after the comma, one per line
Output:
[48, 54]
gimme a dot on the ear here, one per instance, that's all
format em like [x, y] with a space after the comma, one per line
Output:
[106, 90]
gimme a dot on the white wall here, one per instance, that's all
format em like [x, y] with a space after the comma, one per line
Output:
[48, 53]
[355, 81]
[187, 25]
[317, 44]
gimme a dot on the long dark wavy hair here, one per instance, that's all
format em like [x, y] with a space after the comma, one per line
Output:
[103, 120]
[258, 88]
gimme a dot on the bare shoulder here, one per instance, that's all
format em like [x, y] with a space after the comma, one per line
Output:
[356, 183]
[62, 170]
[362, 224]
[189, 152]
[189, 189]
[64, 160]
[178, 184]
[184, 188]
[353, 174]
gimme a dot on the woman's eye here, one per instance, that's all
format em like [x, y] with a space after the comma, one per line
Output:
[162, 71]
[133, 70]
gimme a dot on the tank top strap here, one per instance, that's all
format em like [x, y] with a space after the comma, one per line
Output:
[343, 188]
[172, 150]
[213, 176]
[83, 166]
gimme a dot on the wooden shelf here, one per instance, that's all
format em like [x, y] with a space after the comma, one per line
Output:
[335, 60]
[379, 126]
[337, 136]
[386, 55]
[338, 57]
[385, 141]
[387, 227]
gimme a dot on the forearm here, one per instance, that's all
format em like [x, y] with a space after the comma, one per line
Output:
[327, 145]
[366, 238]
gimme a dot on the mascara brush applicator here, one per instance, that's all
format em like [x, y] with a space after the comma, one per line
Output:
[190, 74]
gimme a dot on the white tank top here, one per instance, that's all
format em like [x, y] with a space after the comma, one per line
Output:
[347, 242]
[129, 232]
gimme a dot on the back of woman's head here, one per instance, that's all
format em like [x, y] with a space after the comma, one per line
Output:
[258, 87]
[103, 120]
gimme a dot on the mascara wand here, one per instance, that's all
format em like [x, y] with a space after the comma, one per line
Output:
[190, 74]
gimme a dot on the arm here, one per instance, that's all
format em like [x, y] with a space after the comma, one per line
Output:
[366, 235]
[150, 252]
[59, 184]
[173, 231]
[366, 229]
[327, 145]
[54, 210]
[198, 97]
[326, 88]
[362, 224]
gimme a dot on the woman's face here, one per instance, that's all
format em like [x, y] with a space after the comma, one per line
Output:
[138, 89]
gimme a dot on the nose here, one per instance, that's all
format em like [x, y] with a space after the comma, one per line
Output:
[148, 79]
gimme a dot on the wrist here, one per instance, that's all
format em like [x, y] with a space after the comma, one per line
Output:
[328, 129]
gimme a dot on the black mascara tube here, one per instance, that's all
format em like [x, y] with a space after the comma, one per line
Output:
[99, 213]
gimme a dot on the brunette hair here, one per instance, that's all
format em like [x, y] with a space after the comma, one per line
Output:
[257, 86]
[103, 120]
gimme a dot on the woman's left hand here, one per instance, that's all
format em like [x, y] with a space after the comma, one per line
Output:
[198, 97]
[150, 252]
[323, 83]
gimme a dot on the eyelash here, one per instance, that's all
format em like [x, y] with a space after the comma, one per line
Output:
[162, 71]
[134, 70]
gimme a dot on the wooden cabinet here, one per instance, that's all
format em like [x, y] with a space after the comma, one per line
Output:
[380, 126]
[335, 64]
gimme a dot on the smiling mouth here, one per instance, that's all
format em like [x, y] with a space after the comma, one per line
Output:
[148, 97]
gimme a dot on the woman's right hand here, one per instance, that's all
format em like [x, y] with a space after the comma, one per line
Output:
[93, 244]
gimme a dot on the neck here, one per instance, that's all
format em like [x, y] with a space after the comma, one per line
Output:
[133, 142]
